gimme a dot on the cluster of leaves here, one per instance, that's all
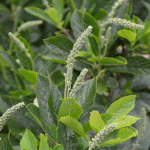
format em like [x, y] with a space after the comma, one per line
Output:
[118, 72]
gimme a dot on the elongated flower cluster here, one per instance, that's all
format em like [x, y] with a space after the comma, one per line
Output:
[142, 122]
[28, 24]
[78, 83]
[141, 127]
[71, 58]
[19, 43]
[99, 136]
[8, 113]
[116, 4]
[125, 23]
[108, 34]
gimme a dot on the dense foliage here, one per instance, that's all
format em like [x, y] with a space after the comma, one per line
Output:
[74, 74]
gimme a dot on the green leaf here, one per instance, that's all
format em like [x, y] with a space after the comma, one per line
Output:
[71, 108]
[27, 46]
[60, 44]
[58, 147]
[34, 110]
[24, 59]
[86, 126]
[53, 132]
[123, 135]
[58, 79]
[121, 107]
[6, 145]
[142, 32]
[41, 14]
[15, 2]
[127, 34]
[119, 60]
[83, 54]
[93, 59]
[59, 6]
[67, 138]
[101, 14]
[28, 141]
[54, 101]
[96, 121]
[76, 23]
[12, 63]
[30, 76]
[94, 45]
[43, 143]
[53, 15]
[106, 117]
[137, 65]
[86, 96]
[73, 124]
[54, 57]
[89, 20]
[125, 120]
[43, 92]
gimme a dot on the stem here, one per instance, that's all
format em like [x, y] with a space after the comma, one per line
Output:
[84, 8]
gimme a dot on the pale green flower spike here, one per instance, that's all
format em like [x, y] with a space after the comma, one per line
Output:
[123, 22]
[116, 4]
[27, 25]
[17, 41]
[108, 34]
[141, 128]
[78, 83]
[21, 46]
[71, 58]
[8, 113]
[101, 135]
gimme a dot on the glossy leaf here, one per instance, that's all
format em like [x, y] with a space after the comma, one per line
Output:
[30, 76]
[54, 57]
[101, 14]
[127, 34]
[28, 141]
[86, 96]
[125, 120]
[113, 61]
[58, 147]
[9, 60]
[71, 108]
[121, 107]
[54, 101]
[123, 135]
[96, 121]
[59, 6]
[41, 14]
[89, 20]
[73, 124]
[43, 92]
[53, 14]
[67, 138]
[43, 143]
[34, 110]
[83, 54]
[94, 45]
[60, 44]
[76, 23]
[137, 65]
